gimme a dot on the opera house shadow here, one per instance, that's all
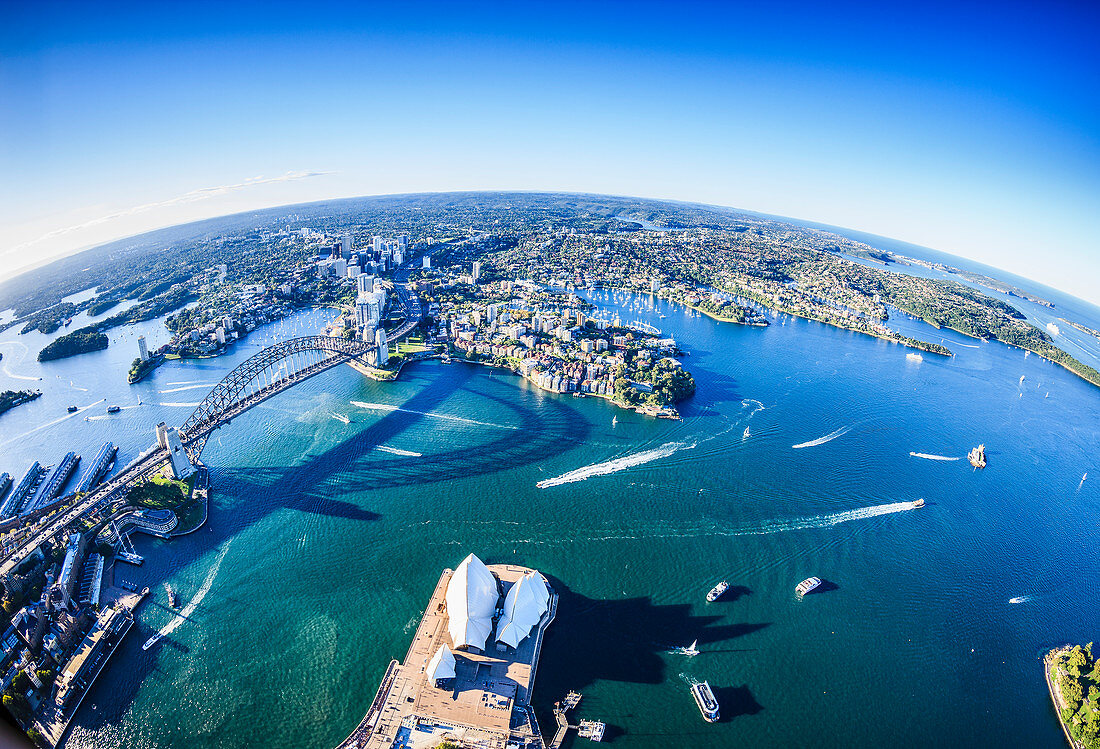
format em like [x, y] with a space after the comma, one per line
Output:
[619, 640]
[736, 701]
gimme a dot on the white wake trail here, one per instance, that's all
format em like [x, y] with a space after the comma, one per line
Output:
[185, 387]
[48, 424]
[446, 417]
[928, 456]
[398, 451]
[189, 609]
[613, 466]
[822, 440]
[181, 405]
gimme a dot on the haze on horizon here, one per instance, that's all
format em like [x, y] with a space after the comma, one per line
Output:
[971, 131]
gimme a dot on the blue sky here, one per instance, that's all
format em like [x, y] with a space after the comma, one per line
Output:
[969, 130]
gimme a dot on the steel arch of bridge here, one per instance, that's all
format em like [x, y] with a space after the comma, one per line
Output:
[225, 400]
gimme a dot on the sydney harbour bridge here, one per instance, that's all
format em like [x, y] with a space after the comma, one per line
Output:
[261, 376]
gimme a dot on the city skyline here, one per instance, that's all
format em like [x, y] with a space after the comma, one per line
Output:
[970, 134]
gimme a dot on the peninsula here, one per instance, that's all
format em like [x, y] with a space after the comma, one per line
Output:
[470, 669]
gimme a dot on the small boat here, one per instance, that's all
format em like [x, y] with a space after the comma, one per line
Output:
[614, 420]
[717, 591]
[73, 409]
[807, 585]
[113, 409]
[746, 434]
[692, 649]
[341, 418]
[705, 699]
[977, 456]
[173, 598]
[152, 641]
[918, 503]
[914, 357]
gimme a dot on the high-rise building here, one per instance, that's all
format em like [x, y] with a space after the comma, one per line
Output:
[491, 313]
[377, 243]
[364, 284]
[427, 263]
[477, 270]
[220, 335]
[345, 245]
[143, 350]
[398, 257]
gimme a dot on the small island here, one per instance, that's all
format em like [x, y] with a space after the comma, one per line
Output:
[1073, 679]
[78, 342]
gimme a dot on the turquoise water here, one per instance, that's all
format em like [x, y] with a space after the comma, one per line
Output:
[325, 540]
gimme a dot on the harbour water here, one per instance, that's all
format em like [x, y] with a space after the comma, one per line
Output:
[325, 538]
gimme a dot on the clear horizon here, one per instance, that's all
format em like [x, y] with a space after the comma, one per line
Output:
[969, 133]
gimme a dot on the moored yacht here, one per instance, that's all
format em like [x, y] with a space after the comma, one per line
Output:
[707, 702]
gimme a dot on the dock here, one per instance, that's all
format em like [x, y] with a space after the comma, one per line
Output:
[588, 729]
[53, 716]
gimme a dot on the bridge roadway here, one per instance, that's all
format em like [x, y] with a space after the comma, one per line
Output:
[114, 489]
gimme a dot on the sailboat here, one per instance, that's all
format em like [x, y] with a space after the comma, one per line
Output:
[691, 649]
[614, 420]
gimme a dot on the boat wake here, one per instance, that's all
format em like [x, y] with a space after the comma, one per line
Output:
[189, 609]
[48, 424]
[1019, 599]
[14, 376]
[398, 451]
[446, 417]
[755, 405]
[822, 440]
[74, 386]
[824, 521]
[927, 456]
[614, 466]
[181, 405]
[185, 387]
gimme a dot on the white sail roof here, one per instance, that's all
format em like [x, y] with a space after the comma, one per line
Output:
[471, 602]
[524, 606]
[442, 664]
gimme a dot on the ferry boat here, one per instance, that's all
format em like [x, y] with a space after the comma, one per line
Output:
[918, 503]
[717, 591]
[73, 409]
[914, 357]
[173, 598]
[592, 730]
[977, 456]
[705, 699]
[113, 409]
[807, 585]
[152, 641]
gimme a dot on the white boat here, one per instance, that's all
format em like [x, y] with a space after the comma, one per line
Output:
[705, 699]
[692, 649]
[152, 641]
[614, 420]
[807, 585]
[914, 357]
[717, 591]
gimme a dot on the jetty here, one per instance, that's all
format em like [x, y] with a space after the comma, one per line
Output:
[587, 729]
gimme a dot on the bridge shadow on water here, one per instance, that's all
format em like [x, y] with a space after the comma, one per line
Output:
[624, 640]
[310, 486]
[523, 434]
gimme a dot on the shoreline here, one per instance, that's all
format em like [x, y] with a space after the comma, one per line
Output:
[1055, 698]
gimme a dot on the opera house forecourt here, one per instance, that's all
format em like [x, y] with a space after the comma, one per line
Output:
[470, 670]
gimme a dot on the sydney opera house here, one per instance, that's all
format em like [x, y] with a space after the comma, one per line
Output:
[471, 667]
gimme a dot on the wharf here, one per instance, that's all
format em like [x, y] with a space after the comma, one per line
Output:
[52, 719]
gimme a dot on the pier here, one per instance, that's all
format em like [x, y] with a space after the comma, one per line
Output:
[588, 729]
